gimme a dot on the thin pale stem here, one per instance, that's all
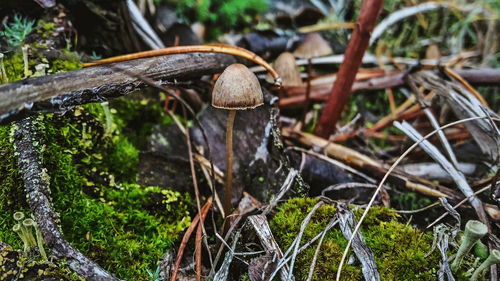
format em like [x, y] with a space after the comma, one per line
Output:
[228, 193]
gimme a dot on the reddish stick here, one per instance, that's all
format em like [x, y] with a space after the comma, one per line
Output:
[347, 73]
[203, 214]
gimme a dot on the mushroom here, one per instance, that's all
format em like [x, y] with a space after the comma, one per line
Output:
[287, 68]
[236, 89]
[313, 46]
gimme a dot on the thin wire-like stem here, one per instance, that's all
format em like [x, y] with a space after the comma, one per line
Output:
[211, 48]
[410, 149]
[228, 192]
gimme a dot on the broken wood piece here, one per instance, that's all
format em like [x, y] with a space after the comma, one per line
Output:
[37, 193]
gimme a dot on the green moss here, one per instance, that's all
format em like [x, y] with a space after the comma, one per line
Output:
[399, 249]
[123, 226]
[11, 189]
[68, 61]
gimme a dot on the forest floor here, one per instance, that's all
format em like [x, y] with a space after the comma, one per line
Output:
[249, 140]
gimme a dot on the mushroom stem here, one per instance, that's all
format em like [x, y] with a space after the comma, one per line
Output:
[228, 193]
[308, 90]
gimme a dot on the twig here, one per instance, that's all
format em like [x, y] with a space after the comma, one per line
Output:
[375, 168]
[210, 48]
[353, 57]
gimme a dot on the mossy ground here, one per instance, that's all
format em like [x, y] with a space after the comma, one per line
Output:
[91, 154]
[123, 226]
[399, 249]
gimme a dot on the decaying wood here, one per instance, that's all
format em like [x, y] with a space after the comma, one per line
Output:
[62, 91]
[38, 194]
[363, 253]
[370, 166]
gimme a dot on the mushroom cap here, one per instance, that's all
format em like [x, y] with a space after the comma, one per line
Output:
[313, 46]
[237, 88]
[287, 68]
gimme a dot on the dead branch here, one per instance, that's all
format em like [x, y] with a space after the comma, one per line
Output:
[320, 91]
[38, 194]
[62, 91]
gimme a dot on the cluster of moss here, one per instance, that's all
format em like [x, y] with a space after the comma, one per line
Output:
[400, 250]
[91, 154]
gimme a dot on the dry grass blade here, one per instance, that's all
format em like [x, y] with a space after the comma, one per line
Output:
[456, 175]
[296, 243]
[362, 252]
[198, 250]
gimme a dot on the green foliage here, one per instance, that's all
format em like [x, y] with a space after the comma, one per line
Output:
[220, 15]
[400, 250]
[15, 32]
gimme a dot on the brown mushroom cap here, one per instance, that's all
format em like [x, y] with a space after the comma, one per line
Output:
[237, 88]
[287, 68]
[313, 46]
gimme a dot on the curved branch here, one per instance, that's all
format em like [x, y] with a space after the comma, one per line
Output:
[38, 195]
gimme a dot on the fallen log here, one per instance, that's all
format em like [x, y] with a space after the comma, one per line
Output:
[62, 91]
